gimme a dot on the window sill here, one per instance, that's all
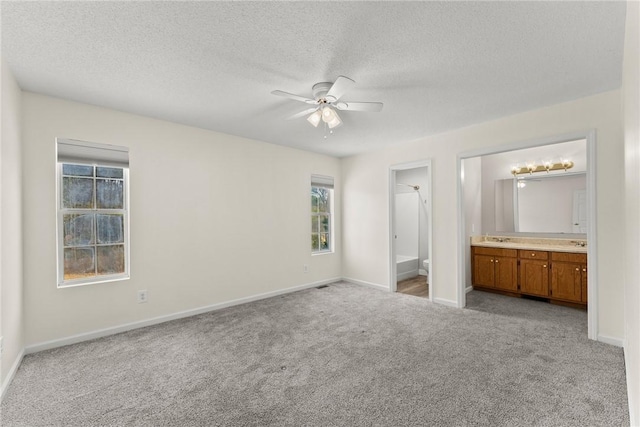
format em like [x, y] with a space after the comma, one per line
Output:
[322, 253]
[76, 283]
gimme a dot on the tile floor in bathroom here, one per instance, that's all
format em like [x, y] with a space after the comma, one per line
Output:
[416, 286]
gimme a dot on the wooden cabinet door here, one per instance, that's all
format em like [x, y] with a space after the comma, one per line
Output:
[506, 274]
[584, 283]
[483, 272]
[534, 277]
[566, 281]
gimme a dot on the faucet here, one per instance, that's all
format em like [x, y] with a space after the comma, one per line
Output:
[580, 243]
[501, 239]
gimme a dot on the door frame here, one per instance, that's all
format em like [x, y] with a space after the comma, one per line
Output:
[426, 163]
[592, 247]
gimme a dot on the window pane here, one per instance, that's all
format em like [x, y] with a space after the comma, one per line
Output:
[77, 170]
[77, 193]
[110, 259]
[78, 263]
[78, 229]
[320, 203]
[323, 204]
[314, 224]
[110, 228]
[324, 223]
[314, 242]
[110, 194]
[324, 241]
[103, 172]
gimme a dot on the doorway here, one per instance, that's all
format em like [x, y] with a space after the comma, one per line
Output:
[410, 229]
[585, 207]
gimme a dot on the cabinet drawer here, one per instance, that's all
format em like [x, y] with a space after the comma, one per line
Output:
[480, 250]
[527, 254]
[569, 257]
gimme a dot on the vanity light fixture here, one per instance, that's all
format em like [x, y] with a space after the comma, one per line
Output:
[531, 168]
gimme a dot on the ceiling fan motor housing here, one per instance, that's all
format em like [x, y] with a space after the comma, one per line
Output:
[320, 90]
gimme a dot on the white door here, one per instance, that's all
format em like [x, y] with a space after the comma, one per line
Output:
[579, 211]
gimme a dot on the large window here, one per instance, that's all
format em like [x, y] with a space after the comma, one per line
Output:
[93, 220]
[321, 214]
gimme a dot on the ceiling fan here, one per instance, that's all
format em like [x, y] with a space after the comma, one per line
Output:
[326, 100]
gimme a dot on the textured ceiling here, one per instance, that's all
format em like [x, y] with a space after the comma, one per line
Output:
[436, 66]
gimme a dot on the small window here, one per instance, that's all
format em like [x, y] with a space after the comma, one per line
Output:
[321, 214]
[93, 216]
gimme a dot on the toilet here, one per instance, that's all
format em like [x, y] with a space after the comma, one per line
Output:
[425, 265]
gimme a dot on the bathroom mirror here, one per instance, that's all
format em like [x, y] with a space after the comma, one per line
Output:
[542, 204]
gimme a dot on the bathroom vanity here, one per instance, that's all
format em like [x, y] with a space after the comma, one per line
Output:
[551, 269]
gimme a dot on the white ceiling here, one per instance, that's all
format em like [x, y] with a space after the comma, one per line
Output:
[436, 66]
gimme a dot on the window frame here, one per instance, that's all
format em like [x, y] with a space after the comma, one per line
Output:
[329, 216]
[61, 211]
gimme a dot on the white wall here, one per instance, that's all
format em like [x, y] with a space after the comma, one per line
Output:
[214, 218]
[365, 196]
[11, 305]
[631, 104]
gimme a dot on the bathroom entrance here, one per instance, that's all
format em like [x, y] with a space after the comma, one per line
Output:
[410, 228]
[531, 199]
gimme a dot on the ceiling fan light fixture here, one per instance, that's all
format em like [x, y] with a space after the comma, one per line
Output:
[334, 122]
[328, 115]
[315, 118]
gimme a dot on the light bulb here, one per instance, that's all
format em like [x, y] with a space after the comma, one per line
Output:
[328, 115]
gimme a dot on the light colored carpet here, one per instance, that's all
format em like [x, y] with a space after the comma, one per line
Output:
[344, 355]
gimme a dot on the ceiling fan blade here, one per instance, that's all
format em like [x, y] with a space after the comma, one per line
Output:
[372, 107]
[302, 113]
[338, 88]
[292, 96]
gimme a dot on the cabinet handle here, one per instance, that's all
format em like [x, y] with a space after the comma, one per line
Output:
[533, 254]
[545, 265]
[577, 269]
[496, 260]
[584, 269]
[492, 260]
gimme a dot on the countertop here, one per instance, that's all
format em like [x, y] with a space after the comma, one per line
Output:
[537, 244]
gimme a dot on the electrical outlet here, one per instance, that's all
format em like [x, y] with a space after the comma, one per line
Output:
[305, 268]
[142, 297]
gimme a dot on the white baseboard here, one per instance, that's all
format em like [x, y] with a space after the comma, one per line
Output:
[12, 372]
[368, 284]
[447, 302]
[468, 289]
[34, 348]
[422, 272]
[634, 417]
[618, 342]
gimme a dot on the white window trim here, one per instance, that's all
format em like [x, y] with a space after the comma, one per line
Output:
[61, 283]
